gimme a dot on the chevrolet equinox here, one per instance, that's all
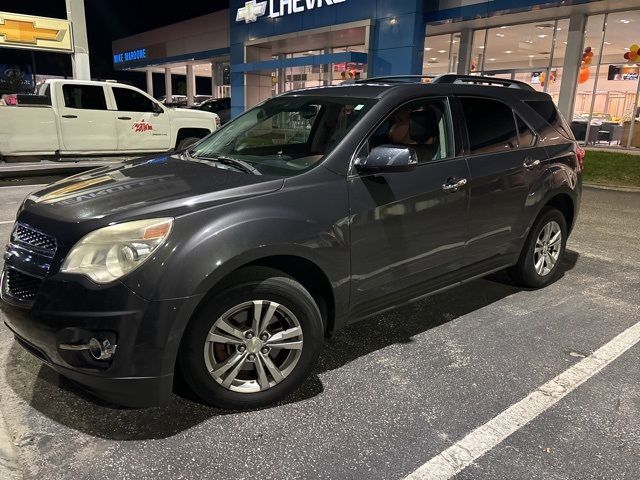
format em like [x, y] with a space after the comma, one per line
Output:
[229, 263]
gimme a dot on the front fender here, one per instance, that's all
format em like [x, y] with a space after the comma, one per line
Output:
[209, 244]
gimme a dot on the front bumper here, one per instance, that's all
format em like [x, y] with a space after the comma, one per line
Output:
[70, 310]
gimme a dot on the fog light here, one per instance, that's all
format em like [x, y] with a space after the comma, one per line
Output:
[101, 350]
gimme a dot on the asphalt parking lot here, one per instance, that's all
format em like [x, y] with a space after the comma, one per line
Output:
[390, 393]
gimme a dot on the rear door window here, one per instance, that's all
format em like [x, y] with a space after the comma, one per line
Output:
[85, 97]
[490, 124]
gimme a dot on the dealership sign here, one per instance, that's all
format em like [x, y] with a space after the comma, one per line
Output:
[35, 33]
[253, 9]
[139, 54]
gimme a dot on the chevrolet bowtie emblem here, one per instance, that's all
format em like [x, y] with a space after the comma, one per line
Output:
[15, 31]
[251, 11]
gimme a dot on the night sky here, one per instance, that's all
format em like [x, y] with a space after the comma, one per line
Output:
[107, 20]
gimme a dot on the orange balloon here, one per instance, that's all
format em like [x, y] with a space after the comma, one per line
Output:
[583, 76]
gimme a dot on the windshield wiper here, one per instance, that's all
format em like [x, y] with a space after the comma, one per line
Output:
[229, 162]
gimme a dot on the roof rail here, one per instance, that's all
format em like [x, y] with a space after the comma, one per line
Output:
[480, 80]
[398, 79]
[449, 78]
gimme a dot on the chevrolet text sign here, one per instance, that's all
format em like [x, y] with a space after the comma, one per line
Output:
[253, 9]
[35, 33]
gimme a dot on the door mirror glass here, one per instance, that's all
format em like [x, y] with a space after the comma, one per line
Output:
[388, 158]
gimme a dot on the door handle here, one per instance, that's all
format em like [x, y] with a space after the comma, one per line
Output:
[69, 116]
[124, 118]
[530, 164]
[453, 186]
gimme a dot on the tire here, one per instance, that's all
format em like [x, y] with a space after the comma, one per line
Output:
[186, 142]
[201, 354]
[527, 272]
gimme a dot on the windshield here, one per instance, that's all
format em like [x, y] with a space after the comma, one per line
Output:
[285, 135]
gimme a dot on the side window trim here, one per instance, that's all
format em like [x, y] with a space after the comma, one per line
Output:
[536, 137]
[452, 133]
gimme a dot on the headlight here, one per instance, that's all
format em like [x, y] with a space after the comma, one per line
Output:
[111, 252]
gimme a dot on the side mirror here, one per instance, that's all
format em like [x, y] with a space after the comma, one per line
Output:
[388, 158]
[157, 108]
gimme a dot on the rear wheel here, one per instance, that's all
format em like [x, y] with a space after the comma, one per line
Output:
[254, 343]
[543, 251]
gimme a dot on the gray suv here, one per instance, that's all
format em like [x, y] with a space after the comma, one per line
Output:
[230, 263]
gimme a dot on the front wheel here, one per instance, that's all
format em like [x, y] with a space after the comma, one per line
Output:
[254, 343]
[186, 143]
[543, 251]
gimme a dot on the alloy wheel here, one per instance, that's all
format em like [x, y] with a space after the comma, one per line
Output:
[547, 248]
[253, 346]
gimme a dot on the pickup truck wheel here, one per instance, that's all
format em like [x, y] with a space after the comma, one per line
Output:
[254, 343]
[543, 251]
[187, 142]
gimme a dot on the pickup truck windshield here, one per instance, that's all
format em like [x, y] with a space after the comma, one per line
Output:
[286, 135]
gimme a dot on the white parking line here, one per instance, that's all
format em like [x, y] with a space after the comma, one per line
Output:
[4, 222]
[484, 438]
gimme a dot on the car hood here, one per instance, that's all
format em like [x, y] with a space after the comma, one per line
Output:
[190, 113]
[153, 186]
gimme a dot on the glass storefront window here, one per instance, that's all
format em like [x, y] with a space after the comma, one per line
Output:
[587, 76]
[441, 54]
[519, 47]
[478, 48]
[606, 99]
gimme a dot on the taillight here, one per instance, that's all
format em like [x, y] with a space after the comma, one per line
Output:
[580, 154]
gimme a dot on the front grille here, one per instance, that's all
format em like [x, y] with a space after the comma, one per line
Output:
[29, 236]
[21, 286]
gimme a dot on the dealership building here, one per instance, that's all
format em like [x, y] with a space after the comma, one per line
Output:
[583, 53]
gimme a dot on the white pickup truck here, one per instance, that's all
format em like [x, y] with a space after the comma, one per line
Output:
[71, 118]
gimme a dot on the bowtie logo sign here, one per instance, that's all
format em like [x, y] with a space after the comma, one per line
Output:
[251, 11]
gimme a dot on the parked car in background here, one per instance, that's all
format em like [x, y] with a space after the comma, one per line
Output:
[231, 262]
[199, 99]
[83, 118]
[219, 106]
[181, 100]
